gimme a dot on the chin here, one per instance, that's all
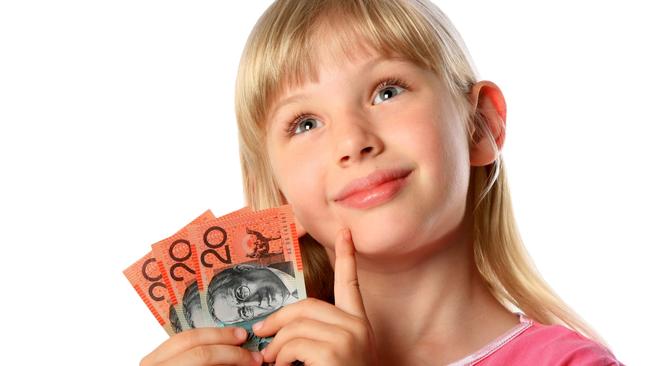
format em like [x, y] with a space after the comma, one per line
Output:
[395, 233]
[383, 240]
[387, 232]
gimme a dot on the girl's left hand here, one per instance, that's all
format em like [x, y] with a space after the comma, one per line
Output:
[321, 334]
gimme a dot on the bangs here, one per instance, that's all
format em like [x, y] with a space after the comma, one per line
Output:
[281, 51]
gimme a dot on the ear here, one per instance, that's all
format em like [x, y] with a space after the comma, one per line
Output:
[489, 104]
[300, 230]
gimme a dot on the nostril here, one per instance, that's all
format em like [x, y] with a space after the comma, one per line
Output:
[366, 149]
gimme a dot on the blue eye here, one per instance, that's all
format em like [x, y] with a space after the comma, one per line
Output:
[302, 123]
[387, 93]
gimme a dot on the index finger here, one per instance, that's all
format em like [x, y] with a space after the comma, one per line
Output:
[188, 339]
[347, 295]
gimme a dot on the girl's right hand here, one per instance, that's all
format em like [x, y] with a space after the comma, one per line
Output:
[204, 346]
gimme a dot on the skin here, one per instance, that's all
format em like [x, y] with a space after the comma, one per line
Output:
[423, 265]
[203, 346]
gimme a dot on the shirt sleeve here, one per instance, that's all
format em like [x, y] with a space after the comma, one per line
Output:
[554, 345]
[586, 354]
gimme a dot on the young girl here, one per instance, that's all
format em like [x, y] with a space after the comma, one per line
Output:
[367, 117]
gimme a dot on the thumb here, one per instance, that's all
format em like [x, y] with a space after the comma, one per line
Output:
[346, 283]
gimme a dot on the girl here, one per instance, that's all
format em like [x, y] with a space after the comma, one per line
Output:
[368, 118]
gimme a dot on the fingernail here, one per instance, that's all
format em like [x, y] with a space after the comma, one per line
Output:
[257, 326]
[257, 358]
[241, 333]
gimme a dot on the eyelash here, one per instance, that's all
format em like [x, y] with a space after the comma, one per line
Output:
[299, 117]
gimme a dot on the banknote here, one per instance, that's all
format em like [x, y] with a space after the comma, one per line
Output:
[234, 270]
[174, 258]
[146, 279]
[248, 267]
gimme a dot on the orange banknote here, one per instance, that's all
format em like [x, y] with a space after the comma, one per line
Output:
[176, 256]
[173, 256]
[247, 267]
[234, 270]
[146, 279]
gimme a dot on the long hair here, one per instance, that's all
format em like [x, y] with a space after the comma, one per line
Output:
[278, 54]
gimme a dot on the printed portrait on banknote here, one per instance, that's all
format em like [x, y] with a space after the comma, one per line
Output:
[194, 314]
[247, 292]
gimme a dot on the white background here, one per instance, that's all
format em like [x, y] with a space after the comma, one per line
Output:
[117, 128]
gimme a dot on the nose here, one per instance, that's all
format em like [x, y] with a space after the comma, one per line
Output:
[355, 141]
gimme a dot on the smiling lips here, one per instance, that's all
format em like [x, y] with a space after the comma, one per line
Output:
[379, 187]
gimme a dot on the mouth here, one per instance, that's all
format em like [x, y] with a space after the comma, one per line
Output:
[372, 190]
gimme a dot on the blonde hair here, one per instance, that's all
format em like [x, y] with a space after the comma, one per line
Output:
[278, 54]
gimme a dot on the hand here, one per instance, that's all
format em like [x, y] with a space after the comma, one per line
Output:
[318, 333]
[204, 346]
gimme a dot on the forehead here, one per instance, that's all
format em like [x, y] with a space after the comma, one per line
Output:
[329, 44]
[225, 308]
[321, 59]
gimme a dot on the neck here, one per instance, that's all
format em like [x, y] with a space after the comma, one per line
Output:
[445, 311]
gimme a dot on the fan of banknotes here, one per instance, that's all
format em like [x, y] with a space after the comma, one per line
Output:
[234, 270]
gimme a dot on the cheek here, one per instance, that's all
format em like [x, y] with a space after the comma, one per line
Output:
[306, 185]
[434, 140]
[300, 177]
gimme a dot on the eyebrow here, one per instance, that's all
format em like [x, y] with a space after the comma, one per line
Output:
[302, 96]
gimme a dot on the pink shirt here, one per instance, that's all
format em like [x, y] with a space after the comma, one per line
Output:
[532, 343]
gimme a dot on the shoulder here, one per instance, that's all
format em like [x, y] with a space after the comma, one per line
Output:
[551, 345]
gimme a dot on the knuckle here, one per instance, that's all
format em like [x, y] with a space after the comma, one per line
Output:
[310, 302]
[243, 356]
[328, 354]
[298, 323]
[361, 330]
[344, 341]
[201, 354]
[346, 337]
[189, 338]
[307, 306]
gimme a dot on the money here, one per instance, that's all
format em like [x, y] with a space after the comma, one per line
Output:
[174, 256]
[146, 279]
[248, 267]
[234, 270]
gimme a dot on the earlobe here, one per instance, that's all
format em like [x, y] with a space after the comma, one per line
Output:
[489, 108]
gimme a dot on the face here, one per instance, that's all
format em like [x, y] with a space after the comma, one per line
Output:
[360, 120]
[254, 292]
[192, 308]
[198, 320]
